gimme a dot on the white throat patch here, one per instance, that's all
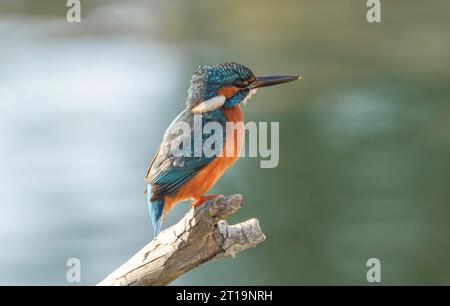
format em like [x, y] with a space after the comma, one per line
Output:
[209, 105]
[250, 94]
[218, 101]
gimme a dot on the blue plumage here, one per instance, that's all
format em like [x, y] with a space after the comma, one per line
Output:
[208, 80]
[156, 208]
[167, 173]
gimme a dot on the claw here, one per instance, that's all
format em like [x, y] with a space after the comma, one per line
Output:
[202, 199]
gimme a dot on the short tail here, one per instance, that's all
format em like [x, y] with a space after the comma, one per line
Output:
[156, 208]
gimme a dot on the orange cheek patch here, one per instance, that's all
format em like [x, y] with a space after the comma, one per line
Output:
[228, 91]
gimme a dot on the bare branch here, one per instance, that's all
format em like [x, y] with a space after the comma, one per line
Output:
[200, 236]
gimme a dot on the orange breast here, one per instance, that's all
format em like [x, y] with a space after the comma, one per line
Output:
[208, 176]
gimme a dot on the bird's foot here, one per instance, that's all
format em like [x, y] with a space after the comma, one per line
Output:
[199, 201]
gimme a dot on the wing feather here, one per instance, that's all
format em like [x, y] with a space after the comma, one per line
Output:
[167, 173]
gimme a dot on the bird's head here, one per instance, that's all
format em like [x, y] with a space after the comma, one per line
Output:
[225, 86]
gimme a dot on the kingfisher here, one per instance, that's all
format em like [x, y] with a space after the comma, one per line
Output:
[215, 95]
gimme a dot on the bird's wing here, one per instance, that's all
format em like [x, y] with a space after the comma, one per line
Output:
[168, 177]
[147, 174]
[168, 172]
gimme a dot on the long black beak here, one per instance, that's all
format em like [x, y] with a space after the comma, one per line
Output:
[265, 81]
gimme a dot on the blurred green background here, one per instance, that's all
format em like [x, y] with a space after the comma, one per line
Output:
[364, 149]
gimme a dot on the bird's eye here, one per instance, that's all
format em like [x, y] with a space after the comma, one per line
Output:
[239, 83]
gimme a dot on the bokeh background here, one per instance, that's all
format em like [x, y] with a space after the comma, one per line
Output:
[365, 136]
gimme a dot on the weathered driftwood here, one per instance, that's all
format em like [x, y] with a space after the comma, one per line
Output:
[202, 235]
